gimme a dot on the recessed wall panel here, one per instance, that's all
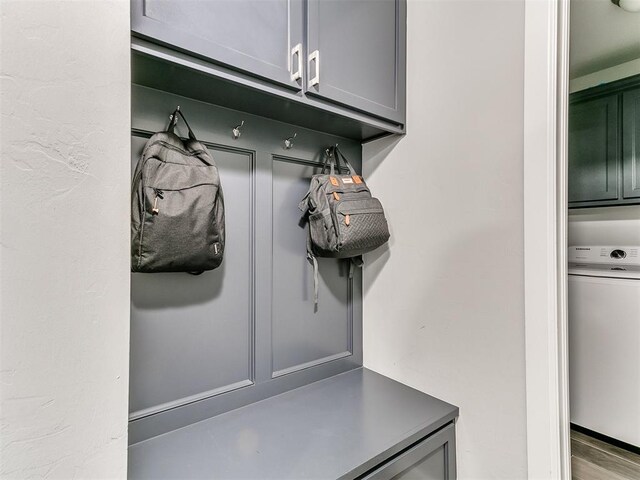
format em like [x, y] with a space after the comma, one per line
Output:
[191, 336]
[302, 335]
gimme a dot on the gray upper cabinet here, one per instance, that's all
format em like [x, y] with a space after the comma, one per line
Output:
[631, 144]
[356, 54]
[593, 150]
[336, 66]
[258, 37]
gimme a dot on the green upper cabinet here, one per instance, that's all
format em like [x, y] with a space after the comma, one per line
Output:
[631, 144]
[593, 150]
[604, 148]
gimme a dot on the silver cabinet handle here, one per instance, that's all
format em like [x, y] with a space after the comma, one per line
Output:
[297, 50]
[314, 57]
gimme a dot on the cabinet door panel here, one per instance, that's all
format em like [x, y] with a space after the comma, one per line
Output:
[631, 144]
[594, 156]
[191, 334]
[302, 335]
[361, 45]
[254, 36]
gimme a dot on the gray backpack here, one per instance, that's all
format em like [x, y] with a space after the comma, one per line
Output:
[345, 221]
[177, 206]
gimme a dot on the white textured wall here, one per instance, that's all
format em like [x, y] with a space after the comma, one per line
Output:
[64, 272]
[443, 306]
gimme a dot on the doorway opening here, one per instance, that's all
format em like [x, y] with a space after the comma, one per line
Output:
[603, 239]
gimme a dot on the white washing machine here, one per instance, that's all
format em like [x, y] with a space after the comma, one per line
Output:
[604, 340]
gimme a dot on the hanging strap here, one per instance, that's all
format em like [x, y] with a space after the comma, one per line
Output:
[333, 162]
[314, 262]
[355, 262]
[340, 156]
[174, 121]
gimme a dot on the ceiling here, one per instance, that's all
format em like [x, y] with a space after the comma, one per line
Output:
[602, 35]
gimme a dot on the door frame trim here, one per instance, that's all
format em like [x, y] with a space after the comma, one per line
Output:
[546, 94]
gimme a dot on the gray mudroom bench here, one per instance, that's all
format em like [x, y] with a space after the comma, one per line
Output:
[233, 373]
[358, 424]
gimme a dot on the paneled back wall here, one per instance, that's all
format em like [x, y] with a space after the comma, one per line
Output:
[202, 345]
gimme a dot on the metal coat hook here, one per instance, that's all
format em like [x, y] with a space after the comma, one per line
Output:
[236, 130]
[174, 118]
[288, 143]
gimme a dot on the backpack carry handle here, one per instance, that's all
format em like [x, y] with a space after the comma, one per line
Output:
[334, 157]
[174, 121]
[337, 154]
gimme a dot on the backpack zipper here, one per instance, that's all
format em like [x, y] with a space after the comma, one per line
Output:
[159, 194]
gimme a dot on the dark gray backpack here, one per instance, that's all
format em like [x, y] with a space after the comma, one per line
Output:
[177, 206]
[345, 221]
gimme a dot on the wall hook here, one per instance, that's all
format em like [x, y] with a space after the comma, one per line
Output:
[236, 131]
[174, 118]
[288, 143]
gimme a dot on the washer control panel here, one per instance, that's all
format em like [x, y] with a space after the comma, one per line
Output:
[605, 254]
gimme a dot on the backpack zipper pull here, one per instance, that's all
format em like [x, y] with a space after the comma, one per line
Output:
[336, 196]
[347, 219]
[159, 194]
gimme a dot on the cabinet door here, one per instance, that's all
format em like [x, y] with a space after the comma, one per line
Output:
[631, 144]
[253, 36]
[594, 153]
[432, 459]
[356, 54]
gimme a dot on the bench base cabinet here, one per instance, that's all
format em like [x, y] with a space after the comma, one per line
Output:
[433, 458]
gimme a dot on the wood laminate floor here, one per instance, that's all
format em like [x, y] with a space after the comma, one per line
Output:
[593, 459]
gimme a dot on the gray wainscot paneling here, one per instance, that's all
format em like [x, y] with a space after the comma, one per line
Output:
[203, 345]
[191, 336]
[301, 339]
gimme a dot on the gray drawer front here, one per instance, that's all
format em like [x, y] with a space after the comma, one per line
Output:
[431, 459]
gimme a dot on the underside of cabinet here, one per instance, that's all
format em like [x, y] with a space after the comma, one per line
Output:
[168, 70]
